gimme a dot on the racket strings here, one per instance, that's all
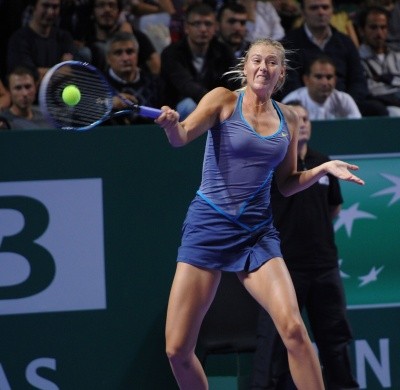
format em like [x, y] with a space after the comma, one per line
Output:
[95, 102]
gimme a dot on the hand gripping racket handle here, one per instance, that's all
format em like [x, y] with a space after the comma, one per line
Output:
[149, 112]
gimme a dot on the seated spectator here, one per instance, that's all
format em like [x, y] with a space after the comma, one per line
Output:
[40, 44]
[134, 84]
[319, 95]
[232, 19]
[381, 63]
[288, 11]
[342, 21]
[23, 114]
[263, 20]
[315, 37]
[393, 8]
[177, 23]
[196, 64]
[106, 20]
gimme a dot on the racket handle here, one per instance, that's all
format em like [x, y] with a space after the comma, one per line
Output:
[149, 112]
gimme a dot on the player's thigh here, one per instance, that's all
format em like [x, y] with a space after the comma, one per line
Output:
[192, 292]
[272, 287]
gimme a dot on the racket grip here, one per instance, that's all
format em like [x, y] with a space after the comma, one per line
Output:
[149, 112]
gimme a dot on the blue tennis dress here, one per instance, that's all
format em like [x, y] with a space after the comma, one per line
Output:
[229, 223]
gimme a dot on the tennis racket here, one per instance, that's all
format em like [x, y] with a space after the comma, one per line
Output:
[96, 97]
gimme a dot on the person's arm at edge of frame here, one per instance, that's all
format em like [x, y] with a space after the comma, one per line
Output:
[290, 181]
[213, 108]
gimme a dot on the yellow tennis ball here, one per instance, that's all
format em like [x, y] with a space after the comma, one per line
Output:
[71, 95]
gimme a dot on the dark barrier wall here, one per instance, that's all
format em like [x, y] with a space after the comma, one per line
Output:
[89, 226]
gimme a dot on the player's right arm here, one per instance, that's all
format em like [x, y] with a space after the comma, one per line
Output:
[213, 108]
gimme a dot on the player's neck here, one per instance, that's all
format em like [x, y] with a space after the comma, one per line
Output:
[256, 103]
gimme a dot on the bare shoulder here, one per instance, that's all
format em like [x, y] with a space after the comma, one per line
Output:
[221, 101]
[221, 96]
[290, 115]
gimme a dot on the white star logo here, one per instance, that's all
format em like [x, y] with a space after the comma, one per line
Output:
[395, 190]
[348, 216]
[372, 276]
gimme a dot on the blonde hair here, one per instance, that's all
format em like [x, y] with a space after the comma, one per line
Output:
[237, 72]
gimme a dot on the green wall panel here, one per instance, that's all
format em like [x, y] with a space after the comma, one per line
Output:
[105, 208]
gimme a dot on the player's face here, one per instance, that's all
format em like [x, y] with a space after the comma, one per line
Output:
[317, 13]
[321, 81]
[264, 67]
[375, 31]
[46, 12]
[232, 27]
[22, 90]
[106, 13]
[200, 29]
[123, 58]
[304, 124]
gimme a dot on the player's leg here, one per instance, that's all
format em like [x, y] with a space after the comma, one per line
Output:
[272, 287]
[192, 292]
[270, 358]
[270, 362]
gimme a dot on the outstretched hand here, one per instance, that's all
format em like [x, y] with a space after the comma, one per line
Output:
[341, 170]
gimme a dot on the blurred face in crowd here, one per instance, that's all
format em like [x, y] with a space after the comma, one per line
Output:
[106, 13]
[317, 13]
[123, 59]
[321, 81]
[375, 31]
[22, 91]
[200, 29]
[46, 12]
[232, 28]
[304, 124]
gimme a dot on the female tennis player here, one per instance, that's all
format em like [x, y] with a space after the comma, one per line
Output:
[229, 225]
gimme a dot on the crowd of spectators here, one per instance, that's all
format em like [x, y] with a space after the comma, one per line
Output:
[182, 48]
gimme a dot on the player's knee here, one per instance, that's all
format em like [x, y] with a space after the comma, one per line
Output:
[294, 333]
[176, 354]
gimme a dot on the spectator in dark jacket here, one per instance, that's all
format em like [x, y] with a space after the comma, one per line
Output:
[194, 65]
[41, 44]
[136, 85]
